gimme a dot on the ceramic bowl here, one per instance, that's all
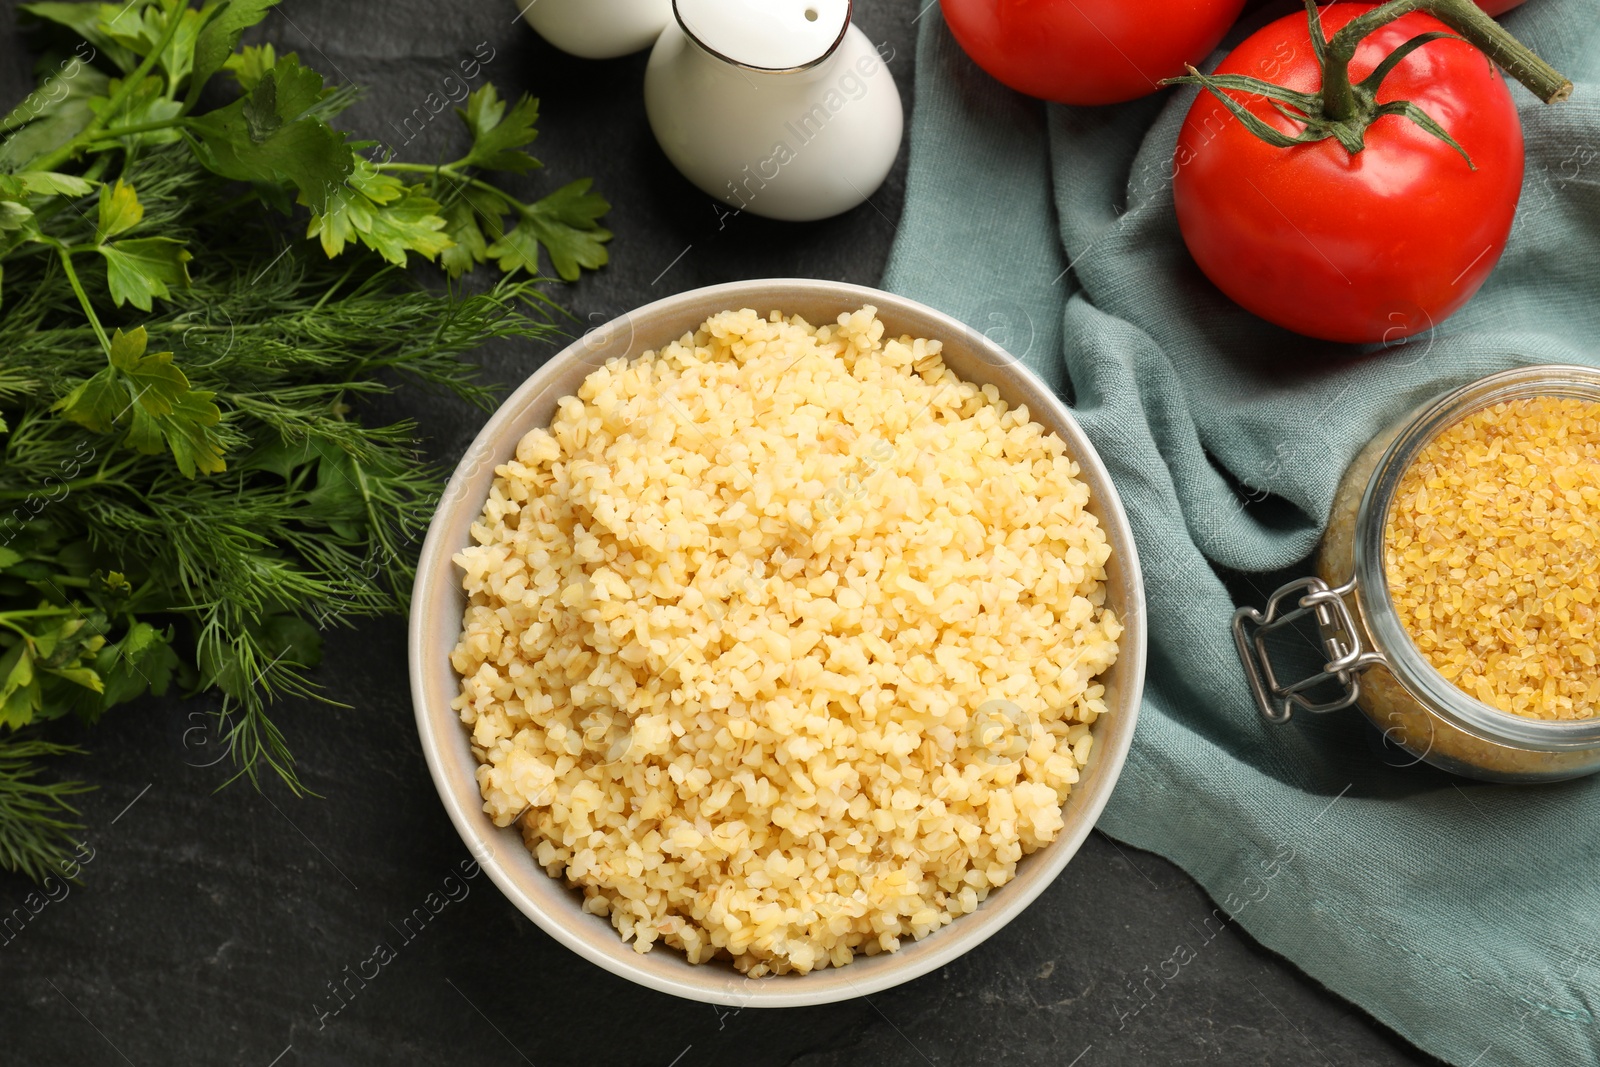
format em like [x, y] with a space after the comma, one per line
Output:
[438, 602]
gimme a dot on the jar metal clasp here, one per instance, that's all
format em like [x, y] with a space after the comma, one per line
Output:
[1341, 641]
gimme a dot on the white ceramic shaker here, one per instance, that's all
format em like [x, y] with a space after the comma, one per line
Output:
[597, 29]
[777, 107]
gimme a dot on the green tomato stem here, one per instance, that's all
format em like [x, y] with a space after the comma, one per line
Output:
[1339, 100]
[54, 159]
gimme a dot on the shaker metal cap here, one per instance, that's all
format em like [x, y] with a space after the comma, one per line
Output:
[766, 35]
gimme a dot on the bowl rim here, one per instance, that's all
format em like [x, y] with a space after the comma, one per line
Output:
[720, 985]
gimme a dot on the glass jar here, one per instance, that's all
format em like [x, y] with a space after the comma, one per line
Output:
[1371, 661]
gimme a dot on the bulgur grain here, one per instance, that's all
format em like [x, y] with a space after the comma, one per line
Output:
[733, 617]
[1493, 555]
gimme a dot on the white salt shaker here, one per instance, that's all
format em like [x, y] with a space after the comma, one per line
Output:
[777, 107]
[597, 29]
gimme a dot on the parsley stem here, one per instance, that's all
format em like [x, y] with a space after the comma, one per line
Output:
[52, 160]
[6, 617]
[450, 171]
[141, 127]
[77, 287]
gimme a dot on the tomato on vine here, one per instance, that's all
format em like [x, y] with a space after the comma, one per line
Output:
[1367, 193]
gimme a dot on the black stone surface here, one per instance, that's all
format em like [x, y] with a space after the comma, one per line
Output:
[212, 926]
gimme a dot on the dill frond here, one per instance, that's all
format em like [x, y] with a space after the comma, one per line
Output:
[38, 824]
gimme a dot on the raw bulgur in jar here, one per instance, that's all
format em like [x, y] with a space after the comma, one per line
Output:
[1458, 582]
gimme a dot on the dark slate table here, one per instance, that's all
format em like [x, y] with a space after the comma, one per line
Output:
[212, 926]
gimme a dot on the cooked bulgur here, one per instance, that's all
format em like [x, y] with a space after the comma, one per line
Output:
[1493, 555]
[782, 641]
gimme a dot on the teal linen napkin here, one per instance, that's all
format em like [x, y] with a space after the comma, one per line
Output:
[1466, 916]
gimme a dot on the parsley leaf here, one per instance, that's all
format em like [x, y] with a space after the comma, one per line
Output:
[383, 213]
[496, 136]
[140, 32]
[564, 223]
[43, 181]
[411, 223]
[14, 215]
[283, 94]
[142, 660]
[90, 23]
[265, 136]
[137, 269]
[251, 63]
[141, 268]
[467, 246]
[219, 36]
[19, 689]
[467, 213]
[120, 210]
[151, 395]
[53, 644]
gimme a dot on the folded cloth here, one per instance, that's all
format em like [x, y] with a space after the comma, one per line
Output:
[1463, 915]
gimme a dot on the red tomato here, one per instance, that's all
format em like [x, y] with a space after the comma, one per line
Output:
[1497, 7]
[1371, 246]
[1088, 51]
